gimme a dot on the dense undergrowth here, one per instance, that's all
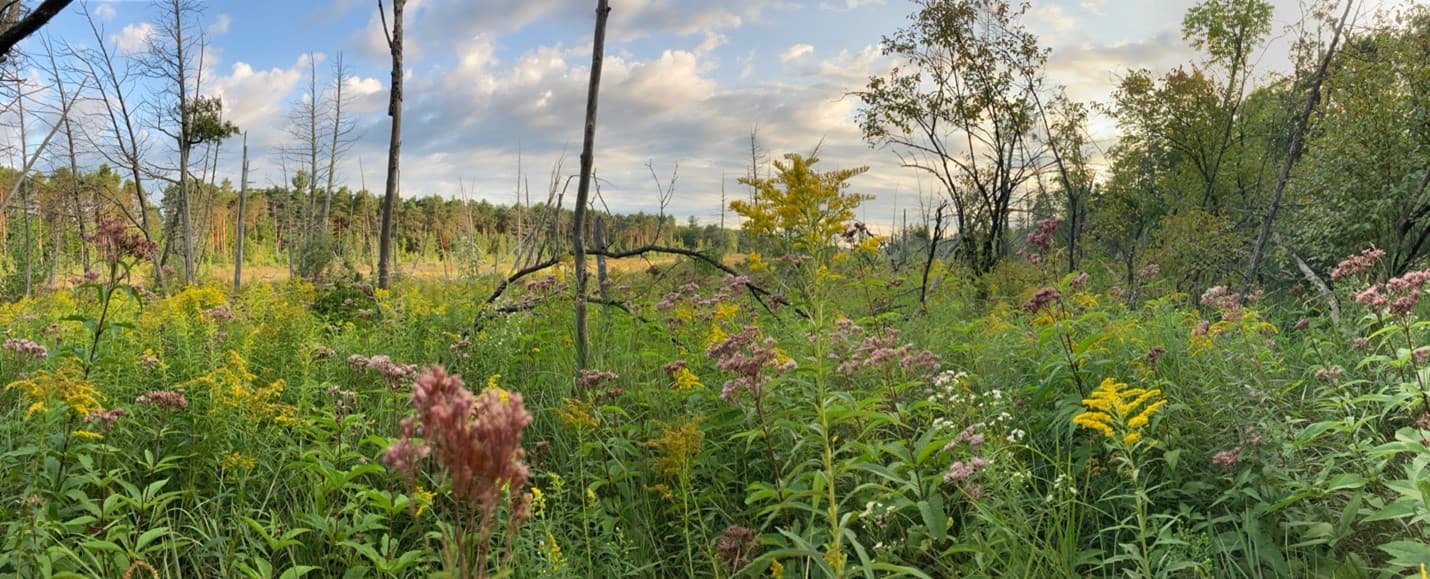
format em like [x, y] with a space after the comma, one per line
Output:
[1024, 424]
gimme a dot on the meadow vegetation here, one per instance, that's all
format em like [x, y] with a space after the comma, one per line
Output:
[1053, 374]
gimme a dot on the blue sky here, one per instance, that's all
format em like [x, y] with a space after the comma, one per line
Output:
[685, 82]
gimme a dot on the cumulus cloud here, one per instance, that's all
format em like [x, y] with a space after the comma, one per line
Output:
[133, 38]
[796, 52]
[255, 99]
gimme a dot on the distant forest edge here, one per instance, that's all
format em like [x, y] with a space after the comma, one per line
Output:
[428, 229]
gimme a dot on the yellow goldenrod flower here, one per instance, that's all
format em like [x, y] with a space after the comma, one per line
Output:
[677, 446]
[575, 413]
[66, 385]
[424, 499]
[717, 336]
[725, 311]
[686, 380]
[1113, 410]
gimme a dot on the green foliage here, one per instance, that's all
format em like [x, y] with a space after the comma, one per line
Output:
[799, 210]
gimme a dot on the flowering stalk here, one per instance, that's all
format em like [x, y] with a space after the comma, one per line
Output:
[118, 246]
[1121, 414]
[476, 440]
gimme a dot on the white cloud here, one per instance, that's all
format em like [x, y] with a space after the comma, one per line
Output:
[105, 11]
[220, 25]
[133, 38]
[254, 99]
[796, 52]
[850, 4]
[712, 41]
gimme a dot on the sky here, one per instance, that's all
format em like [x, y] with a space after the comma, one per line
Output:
[497, 85]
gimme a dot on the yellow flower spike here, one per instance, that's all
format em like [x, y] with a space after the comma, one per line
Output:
[1110, 409]
[424, 499]
[686, 380]
[717, 336]
[777, 569]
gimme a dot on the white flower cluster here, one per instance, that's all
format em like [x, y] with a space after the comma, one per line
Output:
[1062, 484]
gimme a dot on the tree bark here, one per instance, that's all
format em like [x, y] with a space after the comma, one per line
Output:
[29, 24]
[583, 190]
[242, 199]
[394, 146]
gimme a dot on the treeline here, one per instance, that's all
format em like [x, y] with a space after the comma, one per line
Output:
[44, 227]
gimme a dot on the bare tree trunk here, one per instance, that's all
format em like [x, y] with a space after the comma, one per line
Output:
[79, 214]
[242, 198]
[340, 132]
[394, 146]
[1298, 133]
[935, 235]
[583, 190]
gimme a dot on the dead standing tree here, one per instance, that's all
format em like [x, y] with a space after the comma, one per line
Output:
[583, 190]
[394, 146]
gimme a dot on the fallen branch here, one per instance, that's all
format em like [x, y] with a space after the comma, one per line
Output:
[1315, 280]
[757, 292]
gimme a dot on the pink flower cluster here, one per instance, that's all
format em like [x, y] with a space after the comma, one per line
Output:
[25, 347]
[219, 313]
[394, 373]
[542, 284]
[690, 293]
[876, 350]
[107, 418]
[163, 399]
[736, 545]
[962, 471]
[1153, 354]
[1041, 299]
[459, 348]
[475, 439]
[1041, 238]
[970, 435]
[116, 241]
[1227, 458]
[1358, 264]
[673, 367]
[1148, 271]
[1397, 296]
[148, 361]
[746, 356]
[589, 379]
